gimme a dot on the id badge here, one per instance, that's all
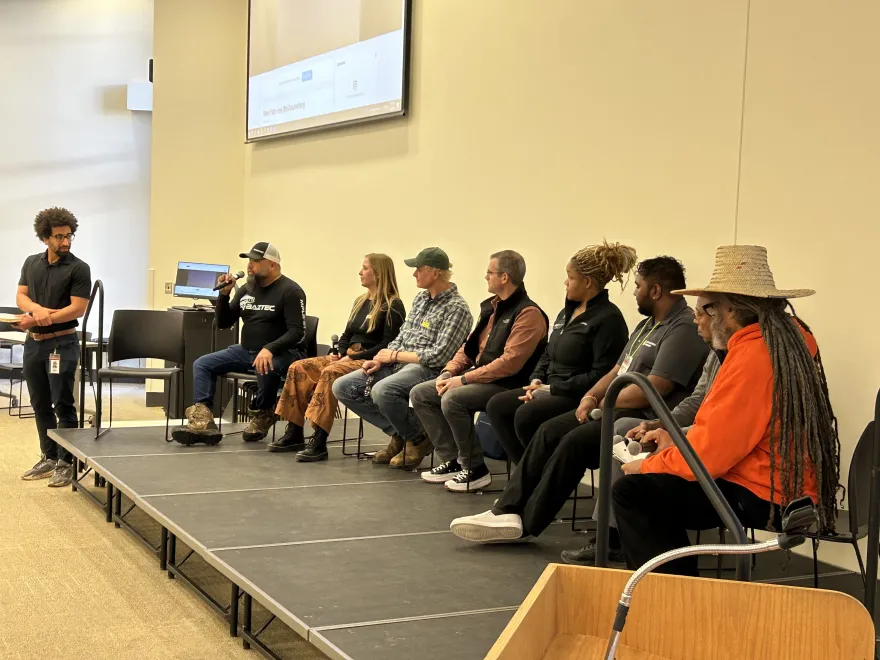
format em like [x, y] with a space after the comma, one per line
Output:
[624, 366]
[54, 364]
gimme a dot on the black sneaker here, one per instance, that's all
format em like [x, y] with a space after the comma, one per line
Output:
[442, 473]
[586, 556]
[470, 480]
[62, 476]
[43, 469]
[292, 440]
[316, 448]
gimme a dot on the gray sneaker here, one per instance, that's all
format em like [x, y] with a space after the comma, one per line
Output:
[42, 470]
[62, 476]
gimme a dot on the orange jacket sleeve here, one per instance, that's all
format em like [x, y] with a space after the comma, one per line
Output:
[732, 420]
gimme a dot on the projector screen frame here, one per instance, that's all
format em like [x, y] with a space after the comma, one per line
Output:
[404, 98]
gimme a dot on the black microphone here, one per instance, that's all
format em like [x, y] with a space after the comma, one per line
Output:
[223, 285]
[334, 344]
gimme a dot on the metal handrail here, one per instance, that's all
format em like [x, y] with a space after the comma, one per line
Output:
[97, 290]
[719, 502]
[874, 518]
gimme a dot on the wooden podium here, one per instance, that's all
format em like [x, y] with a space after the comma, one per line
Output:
[569, 612]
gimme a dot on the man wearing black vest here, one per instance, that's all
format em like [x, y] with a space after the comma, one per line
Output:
[499, 354]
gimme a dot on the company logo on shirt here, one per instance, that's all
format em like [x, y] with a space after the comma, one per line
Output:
[585, 324]
[650, 344]
[247, 304]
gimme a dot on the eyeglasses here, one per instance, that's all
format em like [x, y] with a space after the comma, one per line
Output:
[709, 309]
[64, 237]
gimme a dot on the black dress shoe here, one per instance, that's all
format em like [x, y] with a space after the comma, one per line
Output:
[586, 556]
[292, 440]
[316, 449]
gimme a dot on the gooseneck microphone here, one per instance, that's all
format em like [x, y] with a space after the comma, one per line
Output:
[235, 277]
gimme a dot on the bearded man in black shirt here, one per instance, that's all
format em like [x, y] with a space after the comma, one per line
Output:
[53, 292]
[273, 310]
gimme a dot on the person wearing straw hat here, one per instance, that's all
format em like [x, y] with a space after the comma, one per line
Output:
[766, 432]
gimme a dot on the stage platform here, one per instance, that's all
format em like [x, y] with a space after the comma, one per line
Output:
[356, 558]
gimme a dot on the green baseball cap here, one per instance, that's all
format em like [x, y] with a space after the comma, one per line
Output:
[432, 256]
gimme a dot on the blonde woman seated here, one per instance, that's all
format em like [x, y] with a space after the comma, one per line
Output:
[374, 322]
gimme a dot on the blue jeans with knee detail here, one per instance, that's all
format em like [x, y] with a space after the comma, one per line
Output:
[387, 405]
[238, 358]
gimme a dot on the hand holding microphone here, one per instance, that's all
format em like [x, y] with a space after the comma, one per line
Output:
[334, 348]
[226, 282]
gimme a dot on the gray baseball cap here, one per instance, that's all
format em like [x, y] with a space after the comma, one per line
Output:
[263, 250]
[432, 256]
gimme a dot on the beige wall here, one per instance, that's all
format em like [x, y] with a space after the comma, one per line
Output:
[68, 139]
[547, 132]
[198, 135]
[811, 166]
[544, 131]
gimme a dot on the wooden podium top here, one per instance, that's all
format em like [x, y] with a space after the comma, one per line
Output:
[569, 612]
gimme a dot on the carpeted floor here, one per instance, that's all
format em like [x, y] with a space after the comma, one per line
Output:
[73, 586]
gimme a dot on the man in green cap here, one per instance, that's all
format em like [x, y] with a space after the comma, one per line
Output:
[433, 331]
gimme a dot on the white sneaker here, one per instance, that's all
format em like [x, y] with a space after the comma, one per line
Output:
[486, 527]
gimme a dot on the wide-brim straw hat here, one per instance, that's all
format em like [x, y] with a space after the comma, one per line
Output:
[743, 270]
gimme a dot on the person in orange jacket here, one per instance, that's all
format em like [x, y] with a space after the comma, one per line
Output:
[766, 431]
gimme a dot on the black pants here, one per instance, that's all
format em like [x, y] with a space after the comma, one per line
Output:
[515, 422]
[551, 468]
[52, 394]
[654, 512]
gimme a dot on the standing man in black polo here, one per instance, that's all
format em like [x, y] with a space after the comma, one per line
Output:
[53, 292]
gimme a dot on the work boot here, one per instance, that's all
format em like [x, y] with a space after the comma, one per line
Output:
[316, 450]
[411, 457]
[260, 425]
[393, 449]
[200, 427]
[200, 419]
[292, 440]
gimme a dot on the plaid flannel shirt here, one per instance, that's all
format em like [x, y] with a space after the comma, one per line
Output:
[435, 327]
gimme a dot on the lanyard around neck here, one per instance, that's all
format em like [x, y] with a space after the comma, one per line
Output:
[637, 345]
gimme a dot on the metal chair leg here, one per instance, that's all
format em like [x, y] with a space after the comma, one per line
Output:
[815, 563]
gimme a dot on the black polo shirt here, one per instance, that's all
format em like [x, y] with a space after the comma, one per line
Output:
[53, 285]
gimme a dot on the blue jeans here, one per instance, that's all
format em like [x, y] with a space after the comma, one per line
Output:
[387, 406]
[237, 358]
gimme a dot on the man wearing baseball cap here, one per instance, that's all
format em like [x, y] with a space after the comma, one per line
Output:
[272, 308]
[432, 333]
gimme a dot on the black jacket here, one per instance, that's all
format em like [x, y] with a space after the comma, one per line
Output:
[582, 349]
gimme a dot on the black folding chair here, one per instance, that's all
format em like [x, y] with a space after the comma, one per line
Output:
[143, 334]
[858, 497]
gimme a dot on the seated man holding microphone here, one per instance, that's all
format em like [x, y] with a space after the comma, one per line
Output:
[273, 310]
[499, 354]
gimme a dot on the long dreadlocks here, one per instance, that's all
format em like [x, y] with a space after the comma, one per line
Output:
[802, 422]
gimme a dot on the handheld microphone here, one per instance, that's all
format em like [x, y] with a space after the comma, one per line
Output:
[334, 344]
[596, 414]
[235, 277]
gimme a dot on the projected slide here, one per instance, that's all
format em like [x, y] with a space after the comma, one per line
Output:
[315, 63]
